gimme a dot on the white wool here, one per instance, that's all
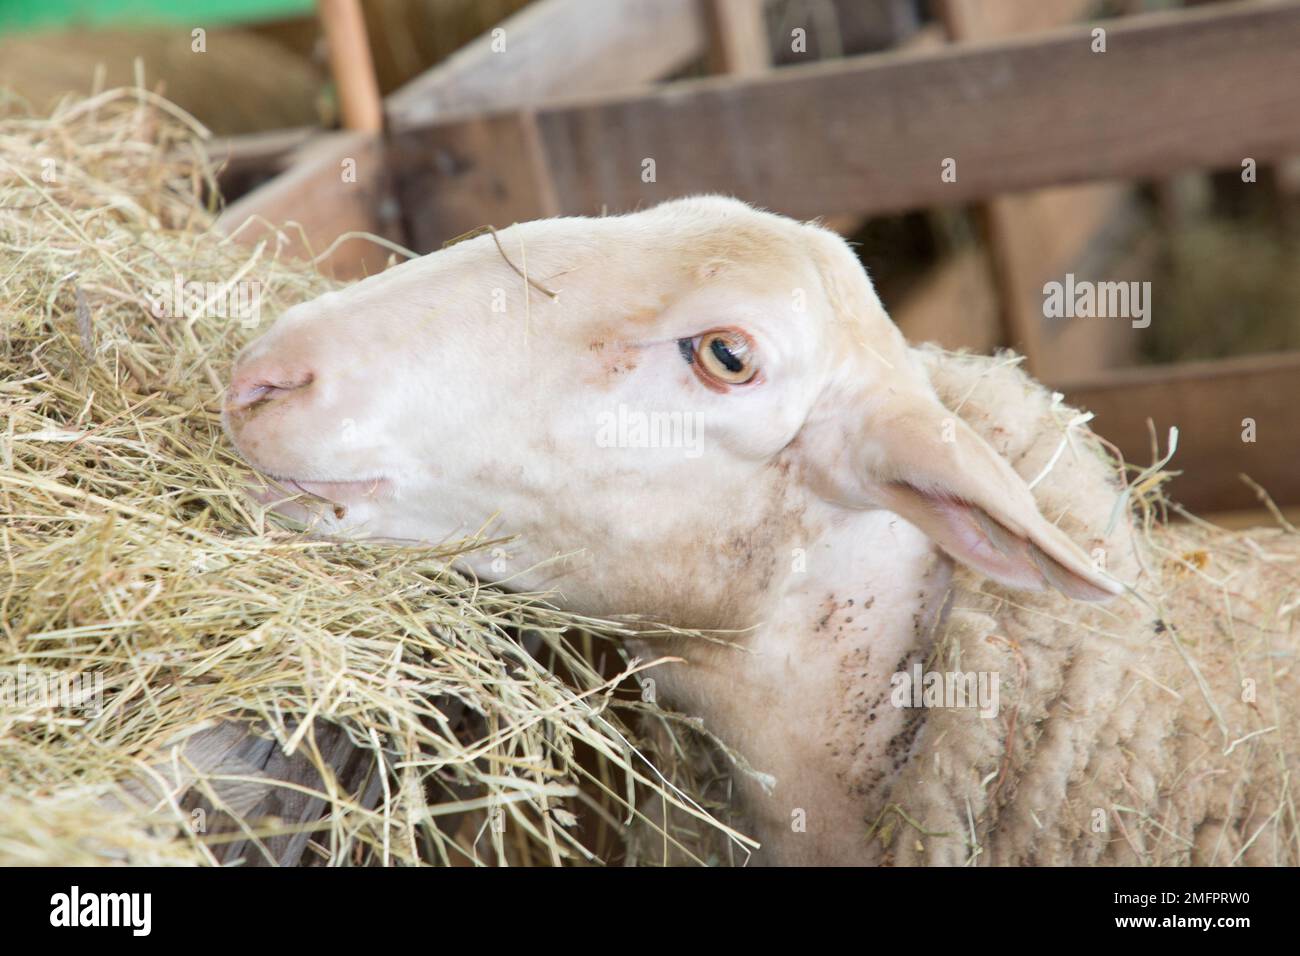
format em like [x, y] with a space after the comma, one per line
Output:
[1157, 729]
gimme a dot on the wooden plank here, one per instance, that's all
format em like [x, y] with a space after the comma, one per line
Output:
[1037, 237]
[242, 753]
[557, 48]
[738, 42]
[351, 65]
[955, 305]
[831, 27]
[928, 37]
[1074, 349]
[1016, 115]
[251, 777]
[1208, 402]
[315, 201]
[968, 20]
[1034, 236]
[254, 779]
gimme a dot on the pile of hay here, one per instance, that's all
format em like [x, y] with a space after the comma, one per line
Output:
[166, 649]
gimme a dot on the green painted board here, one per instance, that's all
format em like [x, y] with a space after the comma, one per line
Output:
[24, 15]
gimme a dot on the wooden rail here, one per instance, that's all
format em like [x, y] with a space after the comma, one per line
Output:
[1209, 403]
[338, 183]
[553, 49]
[870, 133]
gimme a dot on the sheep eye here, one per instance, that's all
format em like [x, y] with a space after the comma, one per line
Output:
[725, 356]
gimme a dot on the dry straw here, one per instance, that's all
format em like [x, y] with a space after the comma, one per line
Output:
[167, 649]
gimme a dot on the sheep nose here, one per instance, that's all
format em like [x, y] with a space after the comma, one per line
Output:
[262, 384]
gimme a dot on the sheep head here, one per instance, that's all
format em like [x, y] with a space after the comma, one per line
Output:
[659, 405]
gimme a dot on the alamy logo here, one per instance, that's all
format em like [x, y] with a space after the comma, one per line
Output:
[630, 428]
[240, 300]
[80, 691]
[75, 908]
[1101, 300]
[955, 689]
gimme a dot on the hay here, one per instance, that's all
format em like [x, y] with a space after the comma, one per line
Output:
[135, 571]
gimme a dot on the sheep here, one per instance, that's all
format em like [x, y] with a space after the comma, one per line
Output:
[700, 416]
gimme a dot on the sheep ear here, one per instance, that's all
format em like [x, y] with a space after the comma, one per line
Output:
[925, 464]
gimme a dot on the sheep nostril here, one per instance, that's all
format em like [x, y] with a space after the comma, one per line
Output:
[249, 391]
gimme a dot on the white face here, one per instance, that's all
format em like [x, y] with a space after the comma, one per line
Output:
[658, 436]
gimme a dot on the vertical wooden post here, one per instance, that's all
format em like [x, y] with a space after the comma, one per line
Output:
[738, 36]
[1033, 234]
[352, 66]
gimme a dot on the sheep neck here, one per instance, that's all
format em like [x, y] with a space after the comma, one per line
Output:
[810, 689]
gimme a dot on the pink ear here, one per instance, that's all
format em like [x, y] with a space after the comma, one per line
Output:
[973, 537]
[908, 453]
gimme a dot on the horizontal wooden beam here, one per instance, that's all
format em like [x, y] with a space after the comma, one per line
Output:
[339, 183]
[556, 48]
[1210, 403]
[1188, 89]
